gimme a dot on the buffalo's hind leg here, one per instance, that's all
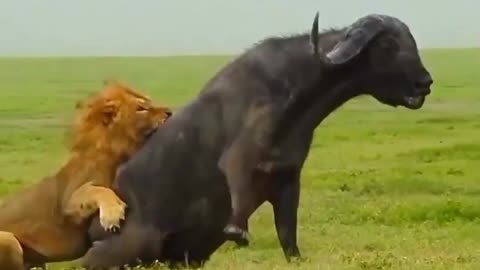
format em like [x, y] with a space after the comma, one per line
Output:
[36, 266]
[134, 243]
[11, 252]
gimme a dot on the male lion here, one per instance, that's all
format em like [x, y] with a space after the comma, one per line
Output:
[48, 221]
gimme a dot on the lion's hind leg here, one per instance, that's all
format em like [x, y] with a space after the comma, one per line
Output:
[11, 252]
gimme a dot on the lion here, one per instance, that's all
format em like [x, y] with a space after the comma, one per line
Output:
[48, 221]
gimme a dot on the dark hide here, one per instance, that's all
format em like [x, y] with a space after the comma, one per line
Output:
[251, 127]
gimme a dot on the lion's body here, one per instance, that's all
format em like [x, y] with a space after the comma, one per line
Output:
[35, 215]
[49, 219]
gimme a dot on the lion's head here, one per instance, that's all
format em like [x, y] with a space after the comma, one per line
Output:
[116, 121]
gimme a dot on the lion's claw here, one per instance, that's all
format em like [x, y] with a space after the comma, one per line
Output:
[111, 216]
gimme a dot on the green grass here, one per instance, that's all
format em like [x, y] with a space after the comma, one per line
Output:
[382, 188]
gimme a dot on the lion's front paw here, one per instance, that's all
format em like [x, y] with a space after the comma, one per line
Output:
[111, 215]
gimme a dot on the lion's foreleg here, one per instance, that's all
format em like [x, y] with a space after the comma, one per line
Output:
[87, 199]
[11, 252]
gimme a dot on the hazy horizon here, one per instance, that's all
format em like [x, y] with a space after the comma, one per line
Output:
[167, 27]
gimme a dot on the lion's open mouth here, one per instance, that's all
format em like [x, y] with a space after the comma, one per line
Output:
[157, 125]
[150, 131]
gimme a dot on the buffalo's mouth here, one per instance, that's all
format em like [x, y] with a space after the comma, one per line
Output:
[413, 102]
[421, 90]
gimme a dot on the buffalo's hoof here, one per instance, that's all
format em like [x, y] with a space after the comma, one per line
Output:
[236, 234]
[242, 243]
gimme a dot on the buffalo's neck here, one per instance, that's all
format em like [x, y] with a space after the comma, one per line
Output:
[334, 88]
[305, 113]
[314, 90]
[327, 102]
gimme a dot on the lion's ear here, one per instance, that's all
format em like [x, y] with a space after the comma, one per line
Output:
[79, 104]
[109, 111]
[113, 83]
[109, 81]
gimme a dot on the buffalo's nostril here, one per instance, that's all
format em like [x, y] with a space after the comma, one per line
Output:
[424, 82]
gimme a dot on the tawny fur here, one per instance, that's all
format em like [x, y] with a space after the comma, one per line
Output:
[49, 218]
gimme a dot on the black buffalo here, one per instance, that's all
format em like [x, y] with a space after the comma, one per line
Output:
[253, 124]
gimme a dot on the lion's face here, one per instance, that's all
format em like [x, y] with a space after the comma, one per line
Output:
[126, 111]
[118, 119]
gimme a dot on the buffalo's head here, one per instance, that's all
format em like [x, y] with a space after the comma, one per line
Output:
[386, 55]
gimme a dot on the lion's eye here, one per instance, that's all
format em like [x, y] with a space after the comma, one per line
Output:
[141, 109]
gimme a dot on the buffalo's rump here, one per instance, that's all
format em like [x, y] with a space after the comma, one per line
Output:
[173, 184]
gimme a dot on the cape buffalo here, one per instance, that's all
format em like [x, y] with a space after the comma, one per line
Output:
[251, 127]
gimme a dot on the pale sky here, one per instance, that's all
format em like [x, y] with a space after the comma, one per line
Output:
[164, 27]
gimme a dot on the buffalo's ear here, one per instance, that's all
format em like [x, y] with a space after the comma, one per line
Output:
[109, 111]
[314, 35]
[356, 38]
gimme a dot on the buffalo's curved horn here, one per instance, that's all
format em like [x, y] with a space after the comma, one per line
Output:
[314, 35]
[357, 36]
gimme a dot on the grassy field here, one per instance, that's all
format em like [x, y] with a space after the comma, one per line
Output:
[383, 188]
